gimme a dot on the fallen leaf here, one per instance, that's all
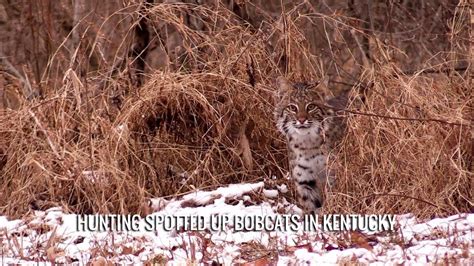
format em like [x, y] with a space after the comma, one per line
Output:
[101, 261]
[259, 262]
[360, 240]
[52, 253]
[127, 250]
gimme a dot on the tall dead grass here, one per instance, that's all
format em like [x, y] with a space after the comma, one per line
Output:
[409, 148]
[206, 120]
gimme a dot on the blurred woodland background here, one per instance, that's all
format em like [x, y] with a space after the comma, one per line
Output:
[104, 104]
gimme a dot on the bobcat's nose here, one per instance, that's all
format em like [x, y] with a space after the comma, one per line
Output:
[301, 119]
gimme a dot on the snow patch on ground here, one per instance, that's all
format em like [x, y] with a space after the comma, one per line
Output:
[52, 236]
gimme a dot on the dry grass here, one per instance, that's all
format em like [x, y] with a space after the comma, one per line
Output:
[103, 144]
[422, 164]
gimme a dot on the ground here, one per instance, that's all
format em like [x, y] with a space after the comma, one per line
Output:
[52, 236]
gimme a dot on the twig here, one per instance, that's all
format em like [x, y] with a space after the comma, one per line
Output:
[407, 118]
[404, 196]
[396, 117]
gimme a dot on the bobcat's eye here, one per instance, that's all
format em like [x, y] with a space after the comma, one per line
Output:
[310, 107]
[293, 108]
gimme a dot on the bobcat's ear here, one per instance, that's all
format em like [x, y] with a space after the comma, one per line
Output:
[324, 82]
[321, 87]
[283, 85]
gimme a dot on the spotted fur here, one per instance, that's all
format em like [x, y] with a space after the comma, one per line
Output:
[308, 118]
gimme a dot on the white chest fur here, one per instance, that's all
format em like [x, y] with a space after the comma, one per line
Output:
[307, 159]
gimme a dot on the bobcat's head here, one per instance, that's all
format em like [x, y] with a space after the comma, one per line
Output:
[300, 107]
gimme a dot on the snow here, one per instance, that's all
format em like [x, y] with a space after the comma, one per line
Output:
[282, 188]
[270, 193]
[52, 236]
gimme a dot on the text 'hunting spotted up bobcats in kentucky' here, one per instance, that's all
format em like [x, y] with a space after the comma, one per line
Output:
[312, 126]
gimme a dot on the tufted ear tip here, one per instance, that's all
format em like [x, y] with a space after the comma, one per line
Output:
[323, 82]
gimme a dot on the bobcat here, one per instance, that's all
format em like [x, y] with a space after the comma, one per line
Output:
[312, 126]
